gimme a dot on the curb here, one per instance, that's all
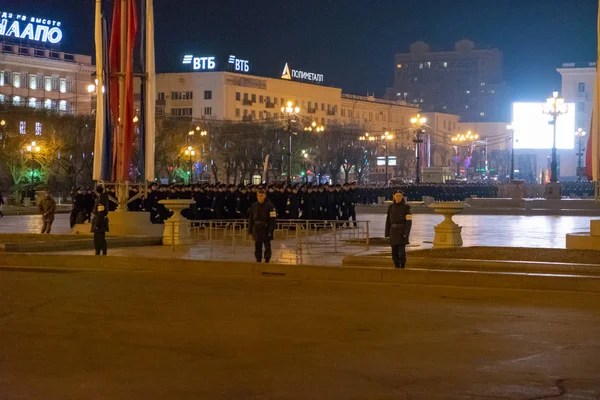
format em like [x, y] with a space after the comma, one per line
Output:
[504, 280]
[77, 244]
[489, 266]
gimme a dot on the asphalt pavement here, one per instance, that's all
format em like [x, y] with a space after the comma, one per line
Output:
[147, 335]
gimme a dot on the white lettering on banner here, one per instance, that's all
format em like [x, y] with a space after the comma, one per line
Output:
[33, 28]
[41, 33]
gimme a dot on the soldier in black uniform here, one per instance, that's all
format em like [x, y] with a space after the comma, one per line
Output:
[261, 225]
[397, 228]
[100, 221]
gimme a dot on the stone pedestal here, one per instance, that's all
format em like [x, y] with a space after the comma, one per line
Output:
[126, 223]
[516, 189]
[587, 240]
[552, 191]
[177, 228]
[448, 233]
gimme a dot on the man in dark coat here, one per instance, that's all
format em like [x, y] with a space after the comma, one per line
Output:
[100, 221]
[261, 225]
[397, 228]
[292, 208]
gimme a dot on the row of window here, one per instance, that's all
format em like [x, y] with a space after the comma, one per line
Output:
[23, 128]
[187, 112]
[36, 81]
[33, 102]
[184, 95]
[248, 98]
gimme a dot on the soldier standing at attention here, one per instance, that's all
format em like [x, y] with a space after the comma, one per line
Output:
[100, 221]
[261, 225]
[397, 228]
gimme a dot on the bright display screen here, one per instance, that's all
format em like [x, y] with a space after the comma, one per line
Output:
[532, 130]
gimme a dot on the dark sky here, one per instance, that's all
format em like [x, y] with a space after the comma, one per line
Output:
[352, 42]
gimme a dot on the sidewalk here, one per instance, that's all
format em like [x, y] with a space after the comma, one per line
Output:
[33, 210]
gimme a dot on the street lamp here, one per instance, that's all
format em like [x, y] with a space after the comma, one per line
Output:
[459, 139]
[191, 153]
[580, 134]
[32, 149]
[291, 111]
[314, 127]
[555, 106]
[385, 138]
[418, 123]
[511, 129]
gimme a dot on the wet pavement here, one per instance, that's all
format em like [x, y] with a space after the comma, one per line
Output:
[478, 230]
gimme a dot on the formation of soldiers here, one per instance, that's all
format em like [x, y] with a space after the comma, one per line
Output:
[297, 201]
[307, 202]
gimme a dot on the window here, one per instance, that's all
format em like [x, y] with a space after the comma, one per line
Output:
[482, 114]
[428, 64]
[2, 98]
[207, 110]
[254, 98]
[245, 113]
[38, 128]
[62, 105]
[444, 124]
[268, 115]
[322, 106]
[182, 95]
[48, 84]
[33, 82]
[16, 79]
[237, 112]
[17, 100]
[260, 115]
[260, 99]
[55, 83]
[343, 112]
[253, 114]
[445, 65]
[32, 102]
[69, 85]
[208, 95]
[399, 66]
[22, 127]
[274, 100]
[160, 96]
[421, 66]
[48, 104]
[581, 87]
[181, 112]
[282, 101]
[238, 96]
[6, 78]
[580, 107]
[245, 96]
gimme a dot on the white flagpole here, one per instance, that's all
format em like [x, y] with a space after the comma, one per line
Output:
[150, 122]
[100, 128]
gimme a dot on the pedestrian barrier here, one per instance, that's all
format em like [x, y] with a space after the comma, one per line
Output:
[304, 235]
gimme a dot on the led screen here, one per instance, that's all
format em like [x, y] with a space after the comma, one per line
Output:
[532, 130]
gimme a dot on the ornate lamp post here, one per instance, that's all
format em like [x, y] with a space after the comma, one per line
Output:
[191, 153]
[555, 106]
[385, 138]
[291, 112]
[33, 149]
[418, 123]
[580, 134]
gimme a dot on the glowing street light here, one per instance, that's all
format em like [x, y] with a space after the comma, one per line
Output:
[418, 123]
[32, 149]
[555, 106]
[290, 111]
[191, 153]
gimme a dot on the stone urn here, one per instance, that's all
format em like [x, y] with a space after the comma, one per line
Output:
[448, 233]
[177, 228]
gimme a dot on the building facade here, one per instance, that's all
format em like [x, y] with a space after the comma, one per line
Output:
[467, 81]
[45, 79]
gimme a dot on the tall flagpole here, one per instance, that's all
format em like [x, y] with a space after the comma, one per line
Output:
[150, 123]
[100, 125]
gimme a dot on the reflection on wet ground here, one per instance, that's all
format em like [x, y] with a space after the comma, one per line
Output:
[478, 230]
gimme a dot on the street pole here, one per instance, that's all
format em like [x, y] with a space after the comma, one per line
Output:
[386, 164]
[512, 159]
[457, 163]
[553, 164]
[191, 175]
[289, 127]
[418, 142]
[32, 166]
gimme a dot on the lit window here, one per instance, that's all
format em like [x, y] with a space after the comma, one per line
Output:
[16, 100]
[482, 114]
[207, 110]
[63, 85]
[428, 64]
[421, 66]
[399, 66]
[48, 84]
[38, 128]
[492, 91]
[482, 83]
[16, 79]
[468, 92]
[22, 127]
[48, 104]
[466, 106]
[33, 82]
[62, 105]
[581, 87]
[32, 102]
[445, 65]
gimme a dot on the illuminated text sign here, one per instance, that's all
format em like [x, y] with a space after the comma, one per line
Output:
[239, 65]
[21, 26]
[200, 63]
[302, 75]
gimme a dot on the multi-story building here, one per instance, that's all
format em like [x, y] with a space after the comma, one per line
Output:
[45, 79]
[467, 81]
[578, 88]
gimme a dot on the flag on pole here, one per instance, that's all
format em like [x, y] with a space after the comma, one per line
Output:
[103, 136]
[593, 148]
[128, 114]
[150, 94]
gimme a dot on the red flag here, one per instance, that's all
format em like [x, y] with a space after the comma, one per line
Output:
[128, 114]
[114, 65]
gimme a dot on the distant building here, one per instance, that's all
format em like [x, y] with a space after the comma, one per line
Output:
[467, 82]
[45, 79]
[578, 88]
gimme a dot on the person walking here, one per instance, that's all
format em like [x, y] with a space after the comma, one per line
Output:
[397, 227]
[261, 225]
[100, 221]
[47, 207]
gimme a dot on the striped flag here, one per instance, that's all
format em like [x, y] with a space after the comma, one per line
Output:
[150, 94]
[103, 136]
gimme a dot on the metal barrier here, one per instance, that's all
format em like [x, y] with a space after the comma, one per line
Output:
[303, 234]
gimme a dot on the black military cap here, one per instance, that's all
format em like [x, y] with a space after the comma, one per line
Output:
[399, 191]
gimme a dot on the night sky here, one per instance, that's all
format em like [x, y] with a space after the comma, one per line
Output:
[353, 42]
